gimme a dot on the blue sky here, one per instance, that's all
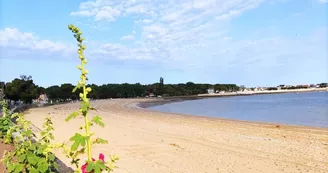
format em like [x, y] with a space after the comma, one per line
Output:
[247, 42]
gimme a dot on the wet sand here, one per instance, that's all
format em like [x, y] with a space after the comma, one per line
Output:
[152, 142]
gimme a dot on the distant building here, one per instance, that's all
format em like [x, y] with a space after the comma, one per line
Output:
[302, 86]
[242, 88]
[43, 98]
[279, 87]
[259, 89]
[313, 86]
[247, 89]
[323, 85]
[210, 91]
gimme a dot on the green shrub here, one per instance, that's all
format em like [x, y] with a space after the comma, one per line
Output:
[30, 155]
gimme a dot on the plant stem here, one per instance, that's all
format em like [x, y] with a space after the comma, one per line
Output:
[86, 121]
[87, 131]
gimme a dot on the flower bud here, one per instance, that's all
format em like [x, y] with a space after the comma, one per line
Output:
[80, 82]
[89, 89]
[81, 95]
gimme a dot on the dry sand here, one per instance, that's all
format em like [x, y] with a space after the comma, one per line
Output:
[153, 142]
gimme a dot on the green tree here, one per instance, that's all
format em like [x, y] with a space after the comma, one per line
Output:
[54, 92]
[126, 90]
[22, 89]
[66, 92]
[161, 86]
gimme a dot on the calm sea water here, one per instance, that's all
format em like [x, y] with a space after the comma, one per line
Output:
[309, 109]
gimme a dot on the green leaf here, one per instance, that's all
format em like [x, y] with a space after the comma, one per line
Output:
[10, 167]
[19, 168]
[91, 166]
[78, 140]
[33, 170]
[40, 150]
[43, 166]
[56, 166]
[98, 120]
[52, 157]
[100, 141]
[101, 164]
[32, 147]
[85, 106]
[73, 115]
[32, 158]
[22, 158]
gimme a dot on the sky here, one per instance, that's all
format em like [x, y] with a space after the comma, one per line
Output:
[244, 42]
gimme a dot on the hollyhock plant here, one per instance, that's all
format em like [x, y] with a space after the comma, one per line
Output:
[82, 142]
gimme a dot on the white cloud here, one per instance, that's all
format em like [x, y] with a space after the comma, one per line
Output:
[137, 9]
[107, 13]
[13, 39]
[203, 4]
[127, 37]
[17, 44]
[111, 51]
[154, 29]
[144, 21]
[84, 13]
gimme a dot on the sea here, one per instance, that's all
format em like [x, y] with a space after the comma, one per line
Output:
[302, 109]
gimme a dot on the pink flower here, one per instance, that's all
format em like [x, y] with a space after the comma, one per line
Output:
[102, 157]
[84, 167]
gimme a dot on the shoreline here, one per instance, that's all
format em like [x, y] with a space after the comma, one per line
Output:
[172, 99]
[149, 141]
[249, 93]
[255, 123]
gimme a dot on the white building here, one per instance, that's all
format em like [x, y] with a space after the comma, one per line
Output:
[210, 91]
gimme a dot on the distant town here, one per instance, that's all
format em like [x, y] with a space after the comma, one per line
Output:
[242, 88]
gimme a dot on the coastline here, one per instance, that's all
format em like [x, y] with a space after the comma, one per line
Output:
[150, 141]
[166, 100]
[247, 93]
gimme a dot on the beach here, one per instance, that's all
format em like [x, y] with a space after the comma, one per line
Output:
[152, 142]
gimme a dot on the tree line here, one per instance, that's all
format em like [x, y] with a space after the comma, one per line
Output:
[25, 90]
[125, 90]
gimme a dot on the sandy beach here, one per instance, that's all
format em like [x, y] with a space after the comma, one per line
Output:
[152, 142]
